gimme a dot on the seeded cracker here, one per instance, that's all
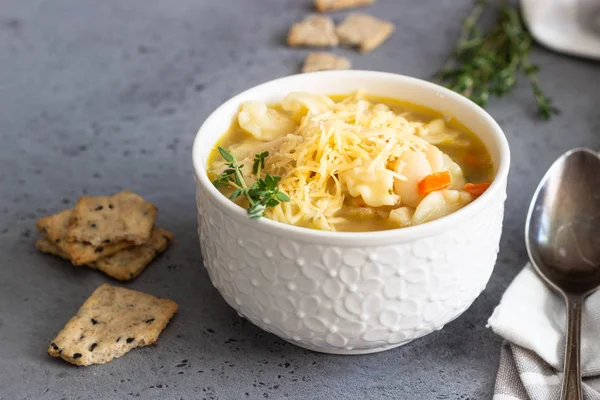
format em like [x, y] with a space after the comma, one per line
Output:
[329, 5]
[56, 226]
[124, 216]
[45, 245]
[315, 31]
[364, 31]
[324, 62]
[124, 265]
[129, 263]
[112, 321]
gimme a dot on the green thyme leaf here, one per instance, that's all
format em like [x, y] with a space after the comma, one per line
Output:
[256, 211]
[227, 156]
[259, 162]
[236, 193]
[282, 197]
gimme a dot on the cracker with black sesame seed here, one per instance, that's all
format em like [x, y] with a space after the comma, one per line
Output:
[124, 265]
[123, 216]
[55, 228]
[112, 321]
[129, 263]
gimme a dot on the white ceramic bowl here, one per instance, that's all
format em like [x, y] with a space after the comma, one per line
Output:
[341, 292]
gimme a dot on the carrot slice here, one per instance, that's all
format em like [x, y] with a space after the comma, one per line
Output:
[477, 189]
[475, 160]
[433, 182]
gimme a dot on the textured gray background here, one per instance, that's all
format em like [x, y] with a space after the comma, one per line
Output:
[97, 96]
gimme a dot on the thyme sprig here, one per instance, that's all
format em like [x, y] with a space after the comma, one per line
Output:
[487, 64]
[263, 193]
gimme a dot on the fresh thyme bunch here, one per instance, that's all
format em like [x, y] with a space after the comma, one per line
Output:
[485, 64]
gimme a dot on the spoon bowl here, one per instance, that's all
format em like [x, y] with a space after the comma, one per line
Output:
[563, 243]
[564, 221]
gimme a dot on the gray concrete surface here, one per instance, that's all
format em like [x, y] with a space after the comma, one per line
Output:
[97, 96]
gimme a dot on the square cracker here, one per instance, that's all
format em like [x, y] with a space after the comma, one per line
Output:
[124, 265]
[329, 5]
[112, 321]
[56, 227]
[324, 62]
[315, 31]
[364, 31]
[123, 216]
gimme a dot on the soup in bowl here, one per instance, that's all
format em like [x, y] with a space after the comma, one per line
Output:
[356, 164]
[350, 211]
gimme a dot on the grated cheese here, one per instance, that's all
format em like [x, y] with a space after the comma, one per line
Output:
[337, 149]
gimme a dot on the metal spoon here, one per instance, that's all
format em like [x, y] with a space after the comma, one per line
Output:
[563, 242]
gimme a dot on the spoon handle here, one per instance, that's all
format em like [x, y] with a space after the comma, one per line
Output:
[571, 384]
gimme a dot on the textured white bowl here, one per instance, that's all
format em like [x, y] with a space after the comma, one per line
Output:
[341, 292]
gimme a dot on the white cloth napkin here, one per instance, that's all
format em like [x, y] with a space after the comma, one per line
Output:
[532, 320]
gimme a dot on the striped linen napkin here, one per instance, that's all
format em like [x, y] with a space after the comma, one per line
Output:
[531, 319]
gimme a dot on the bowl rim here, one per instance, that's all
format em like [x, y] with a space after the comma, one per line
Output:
[497, 188]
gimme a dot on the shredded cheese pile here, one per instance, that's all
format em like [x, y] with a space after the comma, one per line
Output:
[337, 149]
